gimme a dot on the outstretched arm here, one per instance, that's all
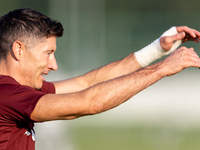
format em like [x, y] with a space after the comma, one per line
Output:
[109, 94]
[133, 62]
[115, 69]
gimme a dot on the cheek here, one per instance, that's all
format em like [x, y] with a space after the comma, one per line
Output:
[37, 63]
[43, 65]
[41, 61]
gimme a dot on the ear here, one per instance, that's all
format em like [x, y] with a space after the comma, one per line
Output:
[17, 49]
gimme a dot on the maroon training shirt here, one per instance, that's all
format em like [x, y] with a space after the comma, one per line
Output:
[16, 105]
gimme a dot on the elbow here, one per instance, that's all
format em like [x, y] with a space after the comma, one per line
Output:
[92, 109]
[92, 102]
[96, 107]
[95, 104]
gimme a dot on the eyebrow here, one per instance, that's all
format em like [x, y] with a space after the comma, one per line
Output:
[52, 51]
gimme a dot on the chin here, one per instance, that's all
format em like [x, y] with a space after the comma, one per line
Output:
[38, 86]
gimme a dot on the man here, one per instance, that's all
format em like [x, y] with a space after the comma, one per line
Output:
[27, 47]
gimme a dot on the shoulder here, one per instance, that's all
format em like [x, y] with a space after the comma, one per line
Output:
[10, 85]
[13, 92]
[7, 82]
[48, 87]
[16, 100]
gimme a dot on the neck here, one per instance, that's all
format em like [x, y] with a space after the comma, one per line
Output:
[8, 67]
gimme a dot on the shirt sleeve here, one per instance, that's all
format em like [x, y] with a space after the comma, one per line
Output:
[21, 102]
[18, 101]
[48, 87]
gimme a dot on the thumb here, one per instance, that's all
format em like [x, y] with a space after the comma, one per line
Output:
[170, 43]
[167, 42]
[176, 37]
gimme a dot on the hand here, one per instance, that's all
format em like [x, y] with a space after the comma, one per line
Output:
[190, 34]
[178, 60]
[184, 34]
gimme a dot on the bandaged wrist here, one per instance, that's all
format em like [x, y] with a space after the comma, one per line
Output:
[154, 51]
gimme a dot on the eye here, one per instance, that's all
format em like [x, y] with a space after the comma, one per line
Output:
[50, 52]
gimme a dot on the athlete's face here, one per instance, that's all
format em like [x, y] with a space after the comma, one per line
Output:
[38, 62]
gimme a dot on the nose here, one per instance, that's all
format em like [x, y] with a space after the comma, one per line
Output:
[53, 64]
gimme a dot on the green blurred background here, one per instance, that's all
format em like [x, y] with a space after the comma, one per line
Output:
[165, 116]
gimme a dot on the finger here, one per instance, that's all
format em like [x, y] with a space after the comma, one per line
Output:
[196, 40]
[192, 32]
[178, 36]
[192, 49]
[189, 57]
[192, 55]
[189, 38]
[195, 32]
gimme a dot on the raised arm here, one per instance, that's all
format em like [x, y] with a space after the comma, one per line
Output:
[164, 45]
[106, 95]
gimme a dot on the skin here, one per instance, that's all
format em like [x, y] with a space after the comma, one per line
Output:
[88, 94]
[40, 59]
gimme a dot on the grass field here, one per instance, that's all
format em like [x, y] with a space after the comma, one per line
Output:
[135, 138]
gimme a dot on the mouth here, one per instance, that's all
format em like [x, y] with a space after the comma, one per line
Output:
[42, 76]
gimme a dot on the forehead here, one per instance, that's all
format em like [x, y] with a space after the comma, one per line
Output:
[47, 44]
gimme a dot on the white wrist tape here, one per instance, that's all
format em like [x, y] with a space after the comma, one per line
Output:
[154, 51]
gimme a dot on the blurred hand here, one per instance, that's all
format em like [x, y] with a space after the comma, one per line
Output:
[178, 60]
[184, 33]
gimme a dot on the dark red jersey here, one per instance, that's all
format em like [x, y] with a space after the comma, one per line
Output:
[16, 105]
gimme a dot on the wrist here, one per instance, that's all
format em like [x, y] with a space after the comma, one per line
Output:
[150, 53]
[158, 70]
[154, 51]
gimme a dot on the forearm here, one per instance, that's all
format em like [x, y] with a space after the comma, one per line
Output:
[115, 69]
[109, 94]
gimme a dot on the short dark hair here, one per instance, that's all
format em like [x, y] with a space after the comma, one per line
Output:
[27, 26]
